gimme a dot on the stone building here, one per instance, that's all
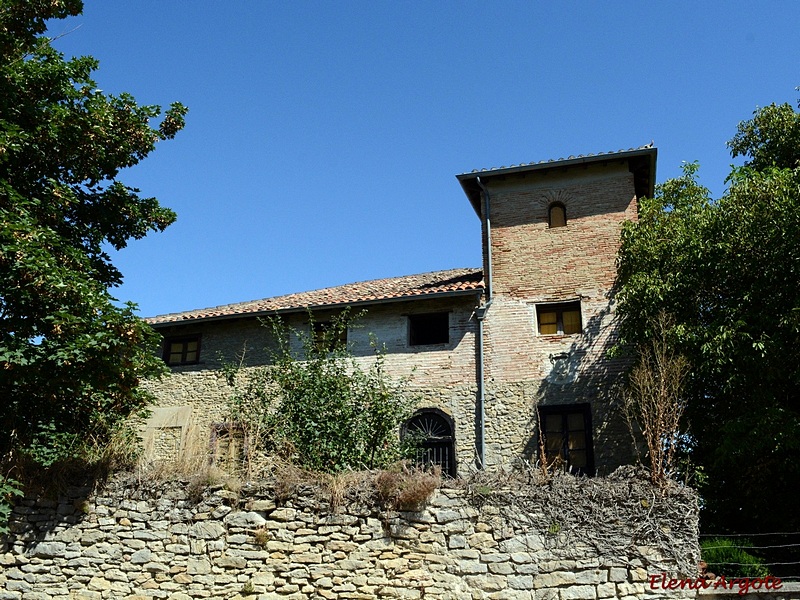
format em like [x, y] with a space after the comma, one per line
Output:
[511, 358]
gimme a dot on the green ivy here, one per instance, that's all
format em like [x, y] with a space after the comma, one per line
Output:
[9, 488]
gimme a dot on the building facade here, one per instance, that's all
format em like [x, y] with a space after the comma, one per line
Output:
[510, 360]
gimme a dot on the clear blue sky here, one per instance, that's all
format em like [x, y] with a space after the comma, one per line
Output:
[323, 137]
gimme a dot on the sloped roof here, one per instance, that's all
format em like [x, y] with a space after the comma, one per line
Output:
[437, 283]
[560, 161]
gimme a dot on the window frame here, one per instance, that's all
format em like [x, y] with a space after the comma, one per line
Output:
[559, 308]
[184, 340]
[550, 208]
[420, 338]
[564, 411]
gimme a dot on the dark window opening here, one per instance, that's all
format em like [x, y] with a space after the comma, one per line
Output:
[433, 430]
[555, 319]
[182, 351]
[329, 335]
[557, 215]
[566, 440]
[427, 329]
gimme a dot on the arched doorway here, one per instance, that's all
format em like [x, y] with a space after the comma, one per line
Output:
[435, 430]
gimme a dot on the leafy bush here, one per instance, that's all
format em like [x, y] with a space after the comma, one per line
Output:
[8, 489]
[321, 410]
[725, 557]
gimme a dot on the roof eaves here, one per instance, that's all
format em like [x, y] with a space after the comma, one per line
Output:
[472, 189]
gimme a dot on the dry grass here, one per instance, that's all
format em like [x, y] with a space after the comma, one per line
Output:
[192, 457]
[399, 488]
[193, 462]
[261, 537]
[406, 489]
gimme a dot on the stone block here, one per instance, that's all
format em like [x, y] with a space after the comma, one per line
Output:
[141, 557]
[49, 549]
[592, 577]
[207, 530]
[230, 562]
[198, 566]
[617, 575]
[578, 592]
[245, 520]
[606, 590]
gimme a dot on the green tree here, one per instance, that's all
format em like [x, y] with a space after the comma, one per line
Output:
[320, 407]
[70, 357]
[727, 273]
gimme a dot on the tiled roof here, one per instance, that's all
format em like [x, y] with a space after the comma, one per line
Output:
[599, 155]
[453, 281]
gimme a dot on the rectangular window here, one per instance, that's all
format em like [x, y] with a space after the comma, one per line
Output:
[182, 350]
[429, 328]
[559, 319]
[325, 338]
[567, 437]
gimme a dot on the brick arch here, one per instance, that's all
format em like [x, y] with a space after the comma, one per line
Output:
[554, 197]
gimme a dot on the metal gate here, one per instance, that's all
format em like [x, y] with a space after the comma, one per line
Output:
[437, 447]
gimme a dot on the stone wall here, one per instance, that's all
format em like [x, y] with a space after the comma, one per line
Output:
[138, 541]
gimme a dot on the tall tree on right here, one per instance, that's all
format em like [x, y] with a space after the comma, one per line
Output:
[727, 273]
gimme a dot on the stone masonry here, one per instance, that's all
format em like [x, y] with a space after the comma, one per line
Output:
[135, 540]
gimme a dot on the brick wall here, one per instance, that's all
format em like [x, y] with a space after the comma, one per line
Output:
[532, 264]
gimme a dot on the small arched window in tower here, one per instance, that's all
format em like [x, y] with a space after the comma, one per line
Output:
[434, 430]
[557, 215]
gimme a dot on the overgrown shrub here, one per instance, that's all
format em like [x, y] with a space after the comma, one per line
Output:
[320, 409]
[9, 488]
[726, 557]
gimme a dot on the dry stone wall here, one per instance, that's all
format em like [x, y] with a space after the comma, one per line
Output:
[138, 541]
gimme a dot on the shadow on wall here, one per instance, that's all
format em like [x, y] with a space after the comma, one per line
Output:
[579, 404]
[50, 505]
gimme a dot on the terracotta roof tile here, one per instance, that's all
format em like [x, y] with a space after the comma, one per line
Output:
[364, 292]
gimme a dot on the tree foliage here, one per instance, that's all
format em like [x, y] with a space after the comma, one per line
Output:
[320, 407]
[727, 272]
[70, 357]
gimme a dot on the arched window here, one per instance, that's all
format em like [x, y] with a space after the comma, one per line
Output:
[557, 215]
[437, 442]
